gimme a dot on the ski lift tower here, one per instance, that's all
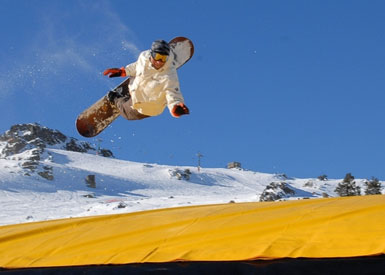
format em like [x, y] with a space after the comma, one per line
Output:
[99, 140]
[199, 155]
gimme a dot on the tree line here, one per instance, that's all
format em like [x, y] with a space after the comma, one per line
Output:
[348, 187]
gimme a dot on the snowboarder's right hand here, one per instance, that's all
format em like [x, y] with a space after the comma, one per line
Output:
[115, 72]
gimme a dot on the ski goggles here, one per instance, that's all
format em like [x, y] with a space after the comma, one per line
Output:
[159, 57]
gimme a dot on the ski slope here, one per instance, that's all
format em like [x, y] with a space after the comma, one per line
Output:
[124, 186]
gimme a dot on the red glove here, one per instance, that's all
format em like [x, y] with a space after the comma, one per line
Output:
[179, 110]
[114, 72]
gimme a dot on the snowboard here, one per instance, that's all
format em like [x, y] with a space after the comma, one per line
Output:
[93, 120]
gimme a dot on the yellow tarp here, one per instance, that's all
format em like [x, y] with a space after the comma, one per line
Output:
[336, 227]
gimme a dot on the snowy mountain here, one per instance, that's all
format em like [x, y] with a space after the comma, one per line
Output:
[47, 175]
[28, 143]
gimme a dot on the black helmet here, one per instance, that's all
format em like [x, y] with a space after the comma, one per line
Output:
[161, 47]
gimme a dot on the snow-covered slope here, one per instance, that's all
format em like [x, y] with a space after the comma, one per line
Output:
[63, 184]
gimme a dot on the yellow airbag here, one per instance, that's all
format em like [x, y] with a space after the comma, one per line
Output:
[317, 228]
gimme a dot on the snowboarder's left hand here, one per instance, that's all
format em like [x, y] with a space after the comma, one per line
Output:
[114, 72]
[179, 110]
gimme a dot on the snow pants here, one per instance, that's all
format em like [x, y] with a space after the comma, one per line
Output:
[124, 105]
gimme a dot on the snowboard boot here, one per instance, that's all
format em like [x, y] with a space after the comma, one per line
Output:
[118, 93]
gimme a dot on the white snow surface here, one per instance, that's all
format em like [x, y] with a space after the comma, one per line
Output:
[124, 186]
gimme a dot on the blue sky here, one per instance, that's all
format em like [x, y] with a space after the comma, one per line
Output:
[294, 87]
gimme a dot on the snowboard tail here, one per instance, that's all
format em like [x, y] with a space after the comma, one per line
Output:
[102, 113]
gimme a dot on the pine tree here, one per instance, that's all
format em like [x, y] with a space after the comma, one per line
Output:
[373, 187]
[348, 187]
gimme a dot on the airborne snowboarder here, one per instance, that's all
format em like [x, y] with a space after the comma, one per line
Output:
[153, 85]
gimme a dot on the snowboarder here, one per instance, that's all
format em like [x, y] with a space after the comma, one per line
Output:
[153, 85]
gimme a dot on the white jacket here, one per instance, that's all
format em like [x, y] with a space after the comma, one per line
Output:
[152, 90]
